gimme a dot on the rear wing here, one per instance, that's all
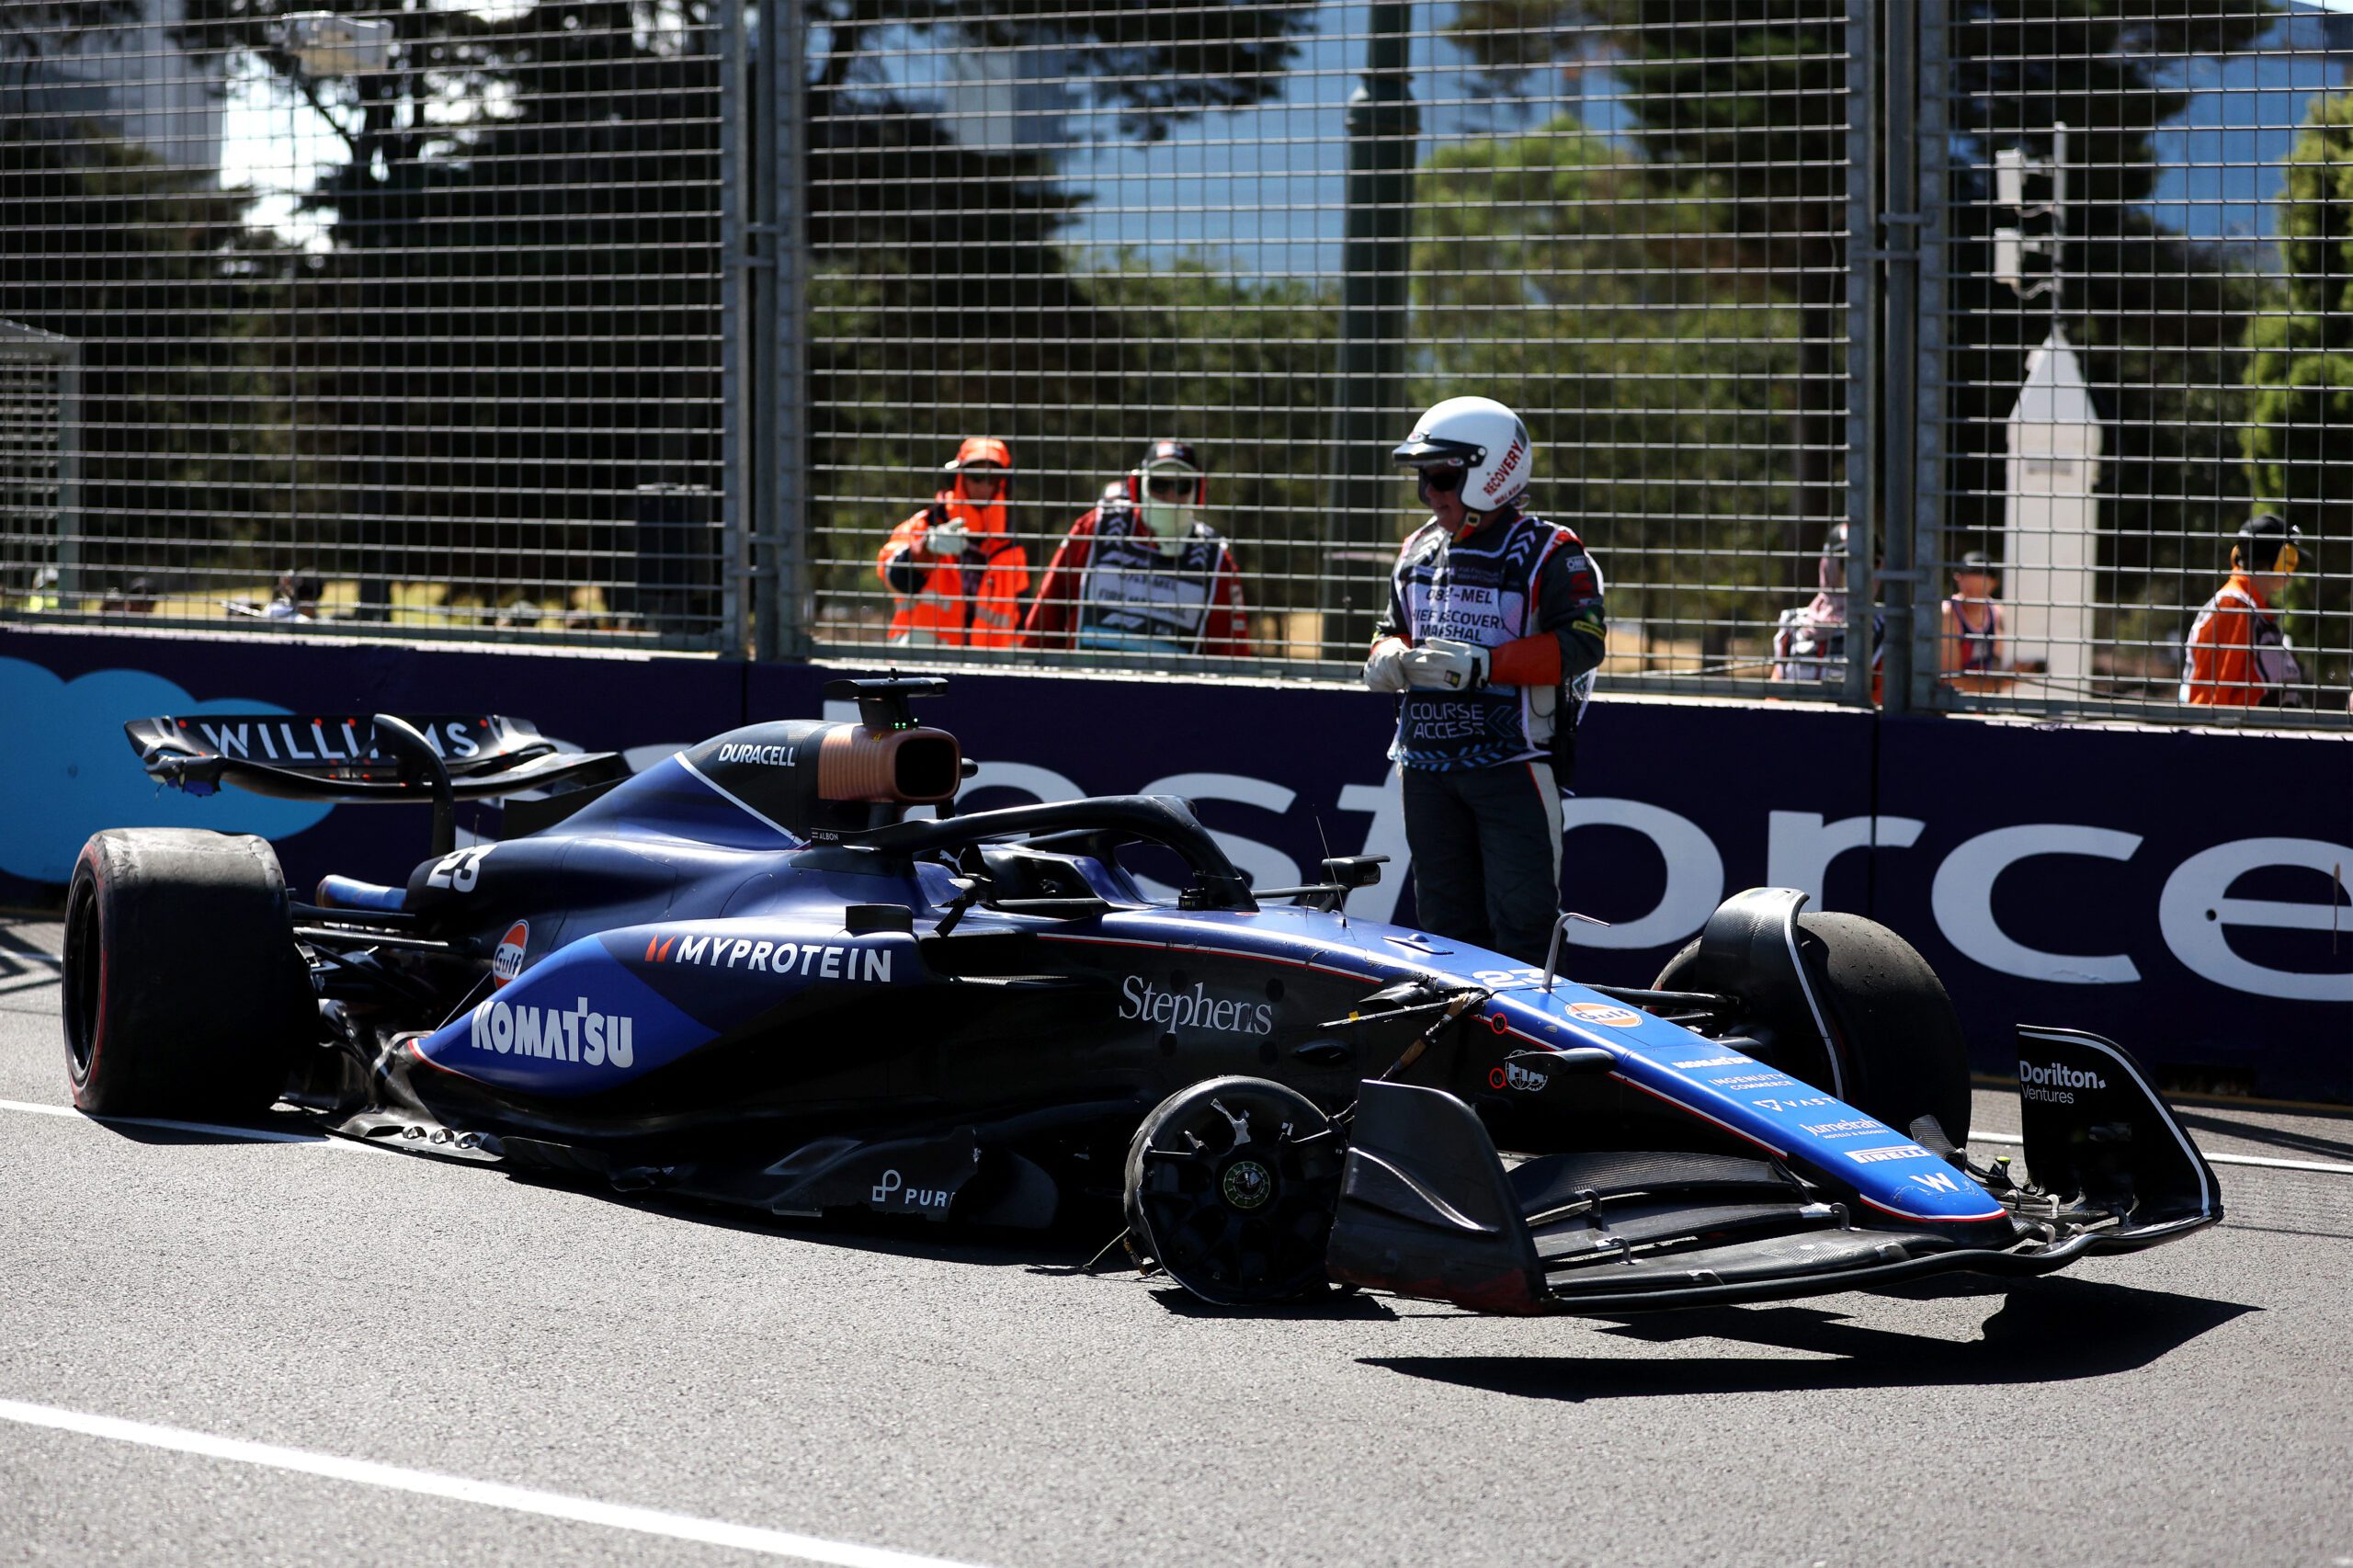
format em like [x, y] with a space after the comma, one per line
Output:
[336, 756]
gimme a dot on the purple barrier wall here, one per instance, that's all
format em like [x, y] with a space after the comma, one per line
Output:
[2176, 891]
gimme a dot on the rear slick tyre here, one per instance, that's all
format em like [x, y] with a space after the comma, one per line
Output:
[184, 994]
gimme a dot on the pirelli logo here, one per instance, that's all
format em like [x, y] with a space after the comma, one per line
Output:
[1888, 1151]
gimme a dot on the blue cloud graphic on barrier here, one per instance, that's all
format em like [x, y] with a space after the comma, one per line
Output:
[68, 771]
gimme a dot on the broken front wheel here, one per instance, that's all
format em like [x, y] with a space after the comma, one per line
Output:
[1231, 1185]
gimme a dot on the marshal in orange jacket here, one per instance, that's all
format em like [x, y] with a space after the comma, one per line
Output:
[2237, 657]
[968, 595]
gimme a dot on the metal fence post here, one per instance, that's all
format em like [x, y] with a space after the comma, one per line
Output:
[739, 293]
[1376, 256]
[69, 473]
[1865, 413]
[1898, 219]
[1929, 158]
[787, 611]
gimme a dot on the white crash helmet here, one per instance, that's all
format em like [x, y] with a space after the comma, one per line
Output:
[1483, 436]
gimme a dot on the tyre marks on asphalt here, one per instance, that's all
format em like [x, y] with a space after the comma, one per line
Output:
[487, 1494]
[28, 959]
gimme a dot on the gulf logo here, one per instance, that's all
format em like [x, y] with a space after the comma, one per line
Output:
[1608, 1012]
[507, 961]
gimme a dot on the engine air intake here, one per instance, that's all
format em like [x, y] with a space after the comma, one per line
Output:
[904, 767]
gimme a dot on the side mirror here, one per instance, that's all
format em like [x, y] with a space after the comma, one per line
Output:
[1353, 872]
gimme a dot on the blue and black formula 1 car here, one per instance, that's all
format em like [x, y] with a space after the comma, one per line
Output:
[750, 975]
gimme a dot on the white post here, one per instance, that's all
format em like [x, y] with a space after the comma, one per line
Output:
[2051, 518]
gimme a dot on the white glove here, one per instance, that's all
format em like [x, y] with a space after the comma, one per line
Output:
[1441, 664]
[946, 539]
[1385, 670]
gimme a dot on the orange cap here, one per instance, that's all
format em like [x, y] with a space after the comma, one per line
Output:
[981, 450]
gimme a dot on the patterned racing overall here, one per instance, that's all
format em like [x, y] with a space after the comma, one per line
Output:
[1483, 770]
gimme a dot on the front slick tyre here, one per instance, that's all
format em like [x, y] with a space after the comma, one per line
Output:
[1231, 1188]
[184, 994]
[1899, 1042]
[1901, 1053]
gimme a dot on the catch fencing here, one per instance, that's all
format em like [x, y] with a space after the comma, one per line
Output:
[646, 325]
[400, 320]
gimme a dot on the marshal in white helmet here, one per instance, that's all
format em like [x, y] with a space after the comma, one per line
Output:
[1480, 440]
[1493, 631]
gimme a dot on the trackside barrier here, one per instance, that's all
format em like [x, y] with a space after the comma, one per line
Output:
[2183, 892]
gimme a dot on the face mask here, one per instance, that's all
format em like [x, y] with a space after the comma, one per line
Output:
[1169, 516]
[1171, 525]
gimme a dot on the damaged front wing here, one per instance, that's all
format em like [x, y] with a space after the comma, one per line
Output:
[1427, 1208]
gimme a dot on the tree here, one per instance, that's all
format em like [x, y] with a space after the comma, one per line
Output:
[1548, 280]
[554, 138]
[2298, 439]
[101, 232]
[33, 30]
[178, 471]
[1745, 112]
[943, 306]
[1743, 104]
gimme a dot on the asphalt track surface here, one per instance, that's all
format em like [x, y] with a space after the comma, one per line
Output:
[218, 1348]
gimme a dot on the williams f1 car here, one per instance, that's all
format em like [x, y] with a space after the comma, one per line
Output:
[753, 975]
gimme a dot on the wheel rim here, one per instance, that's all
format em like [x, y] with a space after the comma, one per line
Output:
[1235, 1191]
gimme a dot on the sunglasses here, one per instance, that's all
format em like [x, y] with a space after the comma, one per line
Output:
[1168, 486]
[1444, 478]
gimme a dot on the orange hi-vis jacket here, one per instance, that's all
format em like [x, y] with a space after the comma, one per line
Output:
[972, 599]
[2236, 656]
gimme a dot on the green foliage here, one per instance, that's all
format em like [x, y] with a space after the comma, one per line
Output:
[1737, 105]
[1234, 366]
[1554, 277]
[537, 183]
[2298, 440]
[153, 272]
[31, 29]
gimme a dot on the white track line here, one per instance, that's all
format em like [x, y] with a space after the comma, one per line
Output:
[249, 1134]
[490, 1494]
[2257, 1160]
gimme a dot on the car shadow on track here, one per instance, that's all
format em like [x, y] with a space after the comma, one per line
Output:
[2290, 1140]
[1336, 1307]
[2047, 1331]
[26, 967]
[232, 1132]
[1064, 1251]
[1061, 1250]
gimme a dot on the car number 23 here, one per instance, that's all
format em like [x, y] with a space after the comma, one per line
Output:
[459, 870]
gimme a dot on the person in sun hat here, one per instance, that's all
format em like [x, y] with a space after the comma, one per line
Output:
[1973, 648]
